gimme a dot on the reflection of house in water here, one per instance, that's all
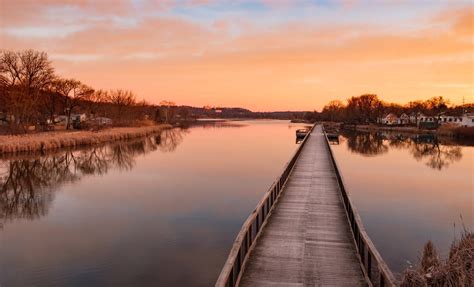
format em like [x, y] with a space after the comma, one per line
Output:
[425, 138]
[28, 183]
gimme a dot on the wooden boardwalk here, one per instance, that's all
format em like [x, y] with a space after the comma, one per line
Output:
[307, 239]
[306, 231]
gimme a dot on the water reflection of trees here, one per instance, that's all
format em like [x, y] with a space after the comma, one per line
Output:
[367, 144]
[169, 139]
[221, 124]
[27, 184]
[427, 148]
[438, 156]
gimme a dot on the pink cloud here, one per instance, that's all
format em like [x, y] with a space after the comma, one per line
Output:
[295, 65]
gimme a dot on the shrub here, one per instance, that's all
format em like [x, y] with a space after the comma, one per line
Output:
[457, 270]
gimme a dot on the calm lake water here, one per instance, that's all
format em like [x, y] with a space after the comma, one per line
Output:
[161, 211]
[408, 190]
[165, 210]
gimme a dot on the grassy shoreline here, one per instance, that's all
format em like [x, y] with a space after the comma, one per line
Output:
[63, 139]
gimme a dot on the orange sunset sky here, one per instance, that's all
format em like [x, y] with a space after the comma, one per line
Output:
[262, 55]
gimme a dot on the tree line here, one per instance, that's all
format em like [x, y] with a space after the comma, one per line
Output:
[368, 108]
[32, 94]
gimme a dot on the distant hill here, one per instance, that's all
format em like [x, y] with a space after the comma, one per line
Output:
[236, 112]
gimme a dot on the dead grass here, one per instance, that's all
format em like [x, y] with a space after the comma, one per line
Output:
[465, 132]
[456, 131]
[457, 270]
[56, 140]
[447, 130]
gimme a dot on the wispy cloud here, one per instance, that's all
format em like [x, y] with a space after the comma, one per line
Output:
[43, 31]
[263, 54]
[77, 57]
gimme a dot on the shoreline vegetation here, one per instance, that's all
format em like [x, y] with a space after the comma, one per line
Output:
[368, 112]
[65, 139]
[443, 131]
[34, 99]
[456, 270]
[446, 131]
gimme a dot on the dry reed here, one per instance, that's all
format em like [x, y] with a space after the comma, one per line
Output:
[56, 140]
[457, 270]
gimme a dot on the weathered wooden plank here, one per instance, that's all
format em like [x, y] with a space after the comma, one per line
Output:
[307, 240]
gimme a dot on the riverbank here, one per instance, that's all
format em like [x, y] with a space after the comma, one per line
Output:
[411, 130]
[55, 140]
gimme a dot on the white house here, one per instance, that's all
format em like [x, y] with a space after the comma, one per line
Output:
[427, 122]
[390, 119]
[103, 121]
[445, 119]
[468, 120]
[404, 119]
[60, 120]
[423, 119]
[78, 117]
[414, 118]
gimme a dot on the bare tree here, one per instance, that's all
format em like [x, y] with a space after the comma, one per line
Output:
[96, 101]
[166, 110]
[74, 93]
[23, 77]
[30, 69]
[121, 100]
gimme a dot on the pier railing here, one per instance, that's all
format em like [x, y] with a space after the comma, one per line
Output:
[251, 229]
[372, 263]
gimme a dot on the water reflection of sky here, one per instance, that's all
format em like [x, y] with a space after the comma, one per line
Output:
[408, 190]
[160, 211]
